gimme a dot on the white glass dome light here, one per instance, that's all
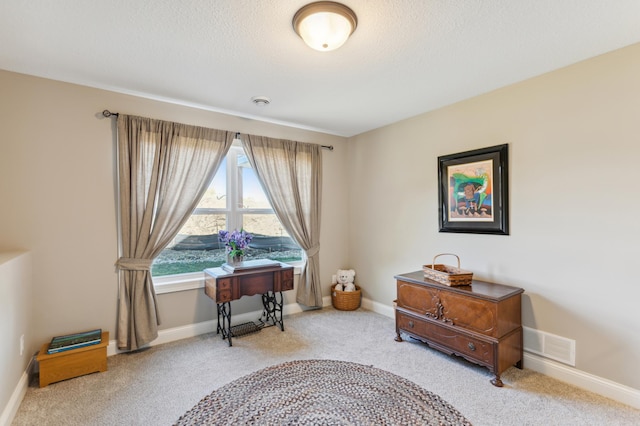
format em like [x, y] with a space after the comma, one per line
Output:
[325, 25]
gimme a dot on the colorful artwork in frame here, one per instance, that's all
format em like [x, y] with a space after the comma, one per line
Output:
[473, 191]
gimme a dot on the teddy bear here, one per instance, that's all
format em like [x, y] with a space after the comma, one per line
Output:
[345, 278]
[350, 287]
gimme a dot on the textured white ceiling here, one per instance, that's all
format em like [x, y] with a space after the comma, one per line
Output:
[405, 58]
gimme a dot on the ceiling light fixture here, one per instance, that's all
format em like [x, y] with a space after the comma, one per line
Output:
[325, 25]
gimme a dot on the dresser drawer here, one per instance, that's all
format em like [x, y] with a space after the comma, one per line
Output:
[224, 296]
[287, 279]
[219, 290]
[224, 283]
[410, 324]
[451, 340]
[462, 344]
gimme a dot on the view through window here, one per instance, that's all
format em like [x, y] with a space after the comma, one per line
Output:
[234, 200]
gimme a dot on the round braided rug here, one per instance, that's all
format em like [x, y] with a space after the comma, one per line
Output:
[322, 392]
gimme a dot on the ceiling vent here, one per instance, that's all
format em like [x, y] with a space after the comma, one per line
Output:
[261, 100]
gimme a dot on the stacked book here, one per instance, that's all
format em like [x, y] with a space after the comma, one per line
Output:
[250, 264]
[75, 341]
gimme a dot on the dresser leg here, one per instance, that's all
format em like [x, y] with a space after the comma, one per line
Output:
[497, 381]
[398, 338]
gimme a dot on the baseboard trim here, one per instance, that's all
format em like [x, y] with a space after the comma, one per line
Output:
[607, 388]
[377, 307]
[18, 394]
[192, 330]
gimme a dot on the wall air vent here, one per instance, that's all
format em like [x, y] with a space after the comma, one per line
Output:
[550, 346]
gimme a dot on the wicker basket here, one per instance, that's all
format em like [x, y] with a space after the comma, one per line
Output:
[447, 275]
[345, 300]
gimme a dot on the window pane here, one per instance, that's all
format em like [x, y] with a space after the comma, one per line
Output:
[253, 196]
[216, 194]
[196, 246]
[270, 240]
[203, 224]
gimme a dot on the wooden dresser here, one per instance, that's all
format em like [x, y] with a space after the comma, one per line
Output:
[480, 322]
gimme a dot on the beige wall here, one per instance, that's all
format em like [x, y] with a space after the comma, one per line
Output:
[574, 147]
[58, 198]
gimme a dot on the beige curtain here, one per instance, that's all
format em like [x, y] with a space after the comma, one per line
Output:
[163, 168]
[291, 175]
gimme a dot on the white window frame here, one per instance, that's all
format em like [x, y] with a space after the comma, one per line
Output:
[233, 211]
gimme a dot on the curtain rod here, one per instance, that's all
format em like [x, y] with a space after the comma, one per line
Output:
[108, 113]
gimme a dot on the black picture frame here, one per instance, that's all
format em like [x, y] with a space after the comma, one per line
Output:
[473, 192]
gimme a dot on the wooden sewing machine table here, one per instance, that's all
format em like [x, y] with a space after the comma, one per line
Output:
[268, 278]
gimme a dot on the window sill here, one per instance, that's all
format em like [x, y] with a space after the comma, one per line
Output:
[184, 282]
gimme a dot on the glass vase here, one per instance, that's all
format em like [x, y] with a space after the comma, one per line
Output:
[234, 260]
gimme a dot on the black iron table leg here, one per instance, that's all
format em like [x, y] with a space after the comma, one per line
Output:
[224, 311]
[272, 303]
[219, 327]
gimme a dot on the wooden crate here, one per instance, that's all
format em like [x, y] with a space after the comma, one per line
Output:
[73, 363]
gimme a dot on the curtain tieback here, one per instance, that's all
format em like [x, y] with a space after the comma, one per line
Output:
[313, 251]
[133, 264]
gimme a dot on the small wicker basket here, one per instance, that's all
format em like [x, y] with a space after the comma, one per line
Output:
[447, 275]
[345, 300]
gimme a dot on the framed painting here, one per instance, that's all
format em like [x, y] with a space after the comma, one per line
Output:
[473, 191]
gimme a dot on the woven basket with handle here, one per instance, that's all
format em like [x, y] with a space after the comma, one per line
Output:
[345, 300]
[447, 275]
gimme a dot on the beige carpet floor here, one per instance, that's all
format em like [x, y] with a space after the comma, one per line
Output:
[157, 385]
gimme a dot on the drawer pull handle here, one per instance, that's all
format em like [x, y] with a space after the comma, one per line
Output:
[472, 346]
[410, 324]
